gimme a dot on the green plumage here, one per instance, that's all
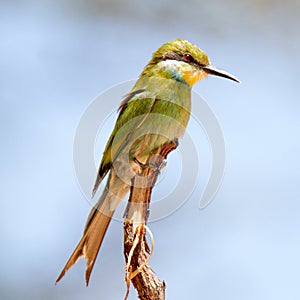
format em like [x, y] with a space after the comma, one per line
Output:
[156, 111]
[160, 102]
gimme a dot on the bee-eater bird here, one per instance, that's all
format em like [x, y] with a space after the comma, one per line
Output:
[155, 112]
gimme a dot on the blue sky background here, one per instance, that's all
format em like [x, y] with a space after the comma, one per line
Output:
[56, 56]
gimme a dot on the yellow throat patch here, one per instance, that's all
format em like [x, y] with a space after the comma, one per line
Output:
[191, 76]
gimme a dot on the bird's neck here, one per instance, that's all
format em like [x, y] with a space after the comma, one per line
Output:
[161, 85]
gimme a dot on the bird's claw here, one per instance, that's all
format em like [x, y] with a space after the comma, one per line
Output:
[151, 164]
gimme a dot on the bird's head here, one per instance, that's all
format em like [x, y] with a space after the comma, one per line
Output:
[182, 61]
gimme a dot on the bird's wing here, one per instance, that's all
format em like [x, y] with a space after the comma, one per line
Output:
[132, 112]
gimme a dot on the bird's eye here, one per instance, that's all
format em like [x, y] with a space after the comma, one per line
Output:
[187, 58]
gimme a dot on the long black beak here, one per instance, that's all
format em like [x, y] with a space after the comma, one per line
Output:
[214, 71]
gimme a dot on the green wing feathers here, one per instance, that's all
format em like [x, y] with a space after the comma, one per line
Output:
[146, 120]
[130, 116]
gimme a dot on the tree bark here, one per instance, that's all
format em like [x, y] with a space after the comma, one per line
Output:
[136, 249]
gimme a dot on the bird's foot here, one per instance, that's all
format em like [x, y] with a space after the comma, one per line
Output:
[152, 164]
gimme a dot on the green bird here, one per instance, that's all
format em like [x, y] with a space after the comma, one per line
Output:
[155, 112]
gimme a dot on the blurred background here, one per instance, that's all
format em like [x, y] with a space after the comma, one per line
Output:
[56, 56]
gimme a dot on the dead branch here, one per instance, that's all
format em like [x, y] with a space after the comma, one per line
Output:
[136, 249]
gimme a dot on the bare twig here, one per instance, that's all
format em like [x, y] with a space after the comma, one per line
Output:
[136, 249]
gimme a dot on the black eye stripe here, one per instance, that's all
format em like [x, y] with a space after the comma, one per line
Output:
[171, 55]
[179, 57]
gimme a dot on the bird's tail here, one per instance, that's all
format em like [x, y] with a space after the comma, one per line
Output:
[96, 226]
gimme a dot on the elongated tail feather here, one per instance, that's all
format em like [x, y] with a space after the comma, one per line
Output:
[90, 243]
[96, 226]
